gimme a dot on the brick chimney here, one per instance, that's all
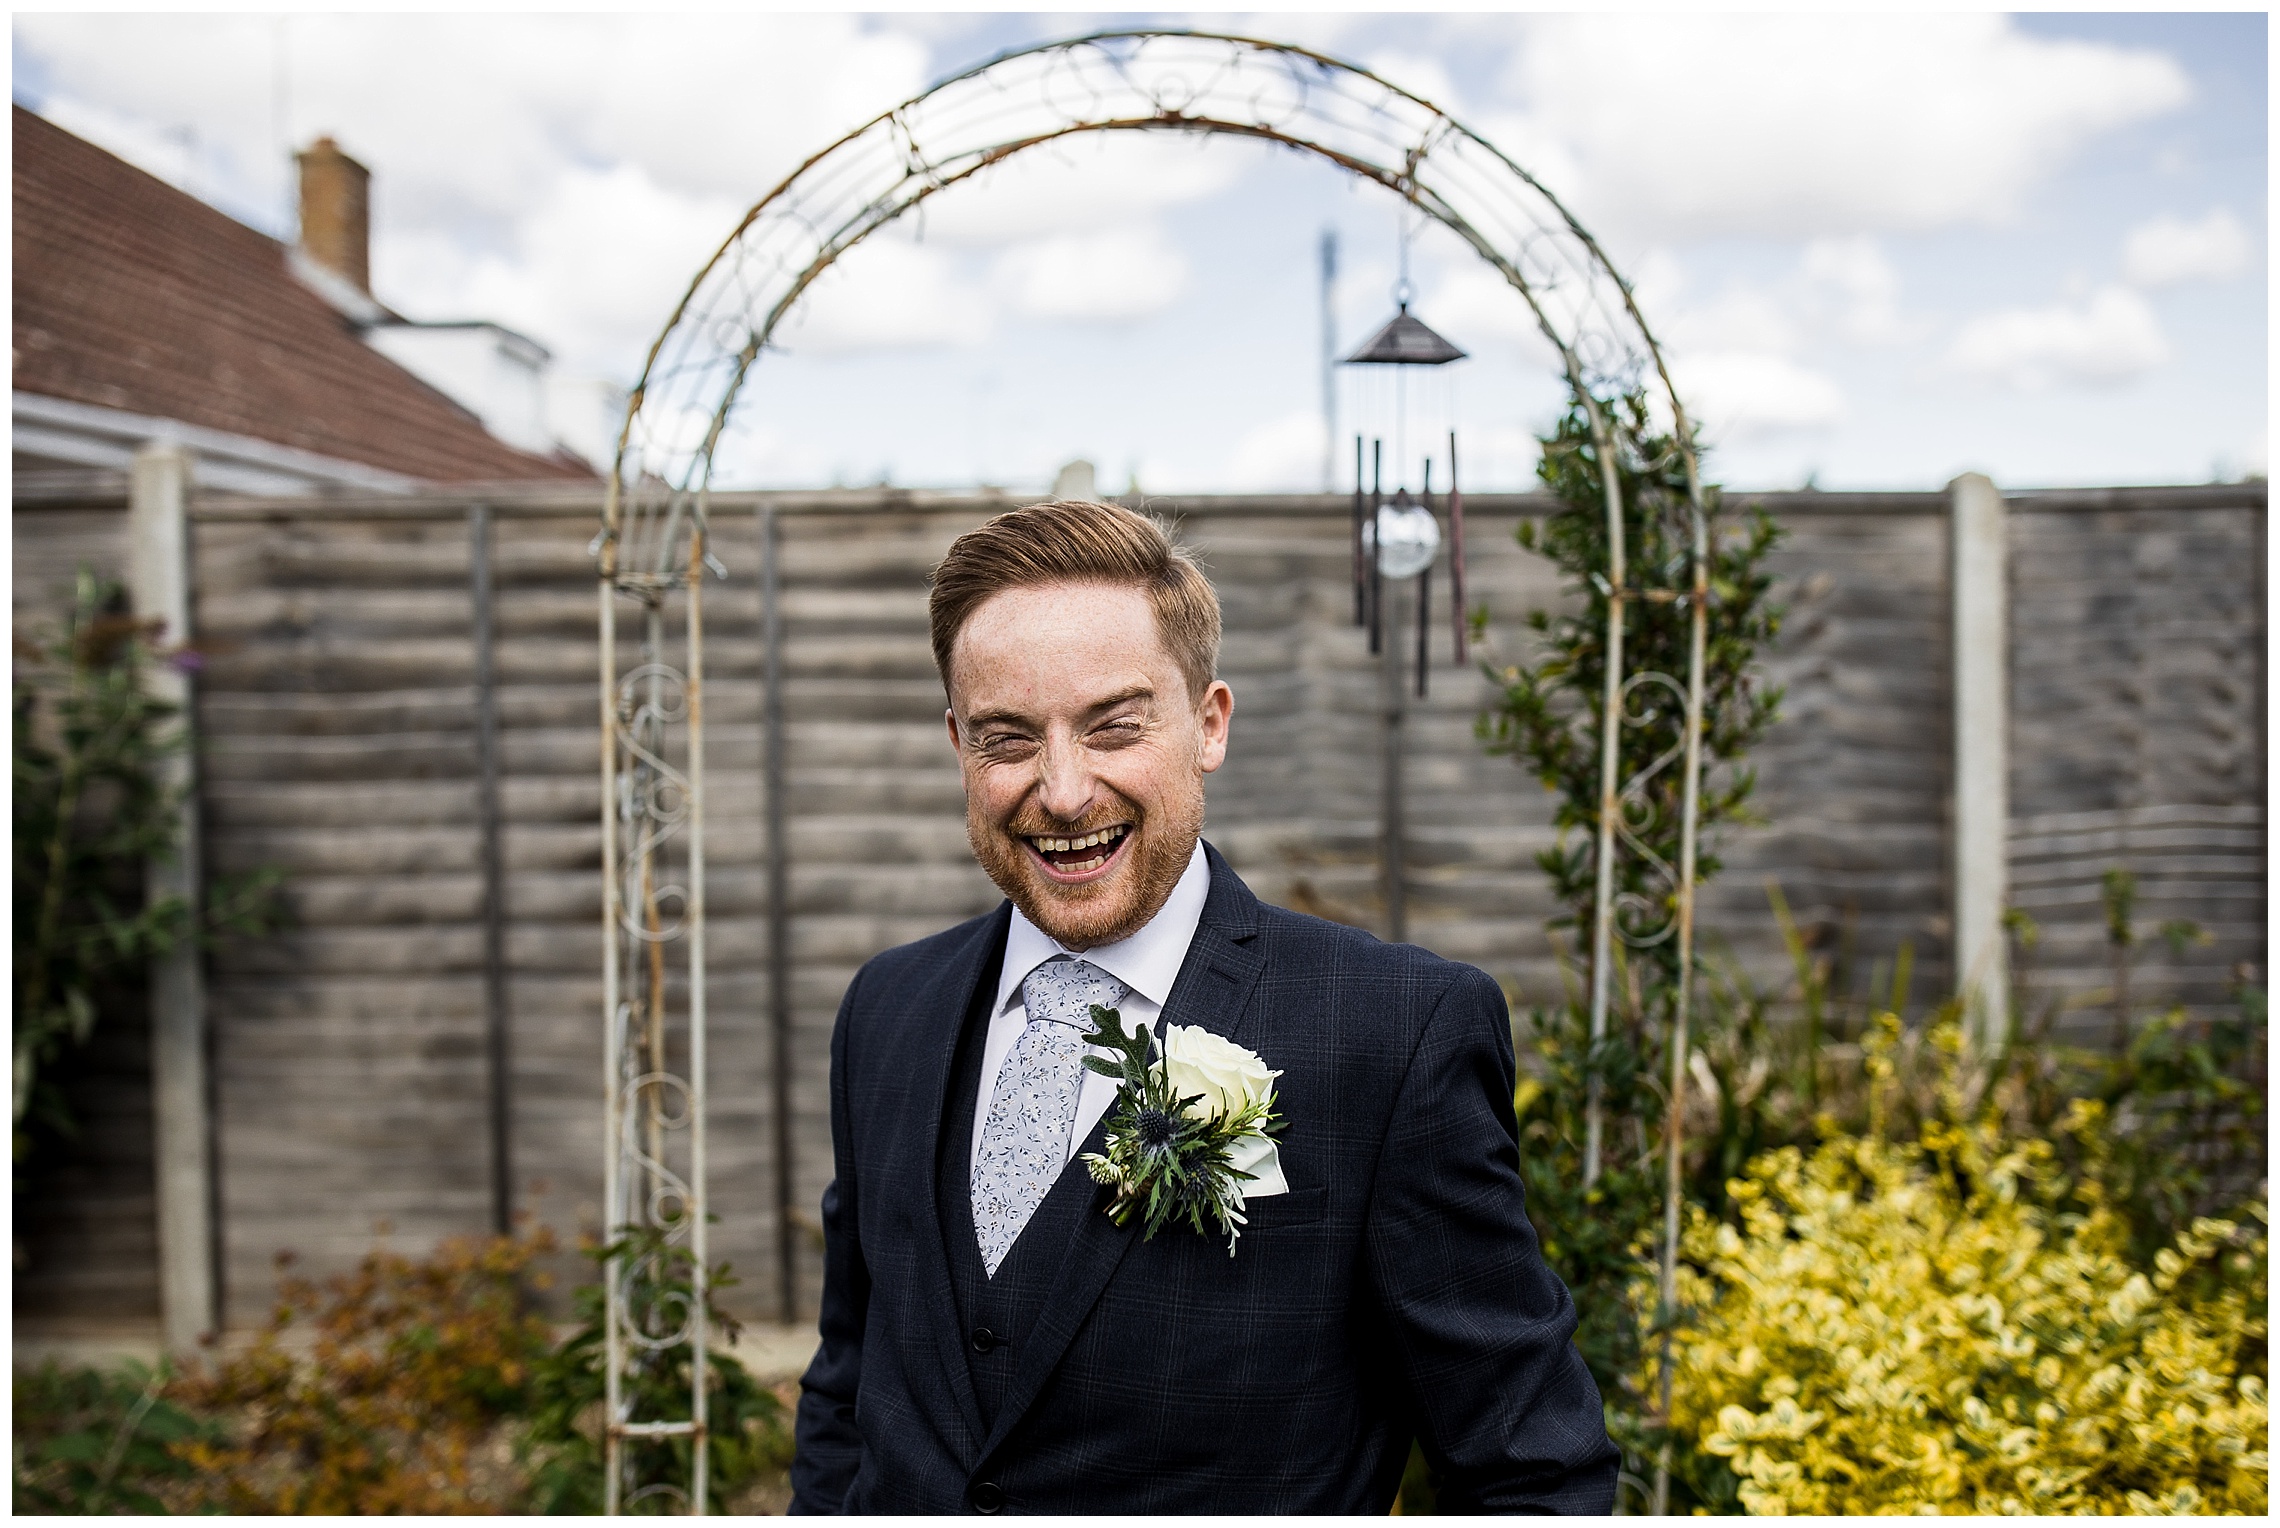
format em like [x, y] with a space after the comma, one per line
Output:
[336, 212]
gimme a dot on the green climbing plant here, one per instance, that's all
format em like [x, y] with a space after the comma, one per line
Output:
[1546, 717]
[748, 1430]
[92, 807]
[1548, 713]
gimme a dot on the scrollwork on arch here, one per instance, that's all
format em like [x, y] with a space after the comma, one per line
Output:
[1643, 922]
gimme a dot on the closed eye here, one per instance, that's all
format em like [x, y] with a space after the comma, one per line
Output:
[1125, 729]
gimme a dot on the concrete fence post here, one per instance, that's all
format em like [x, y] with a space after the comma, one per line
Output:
[1981, 819]
[158, 576]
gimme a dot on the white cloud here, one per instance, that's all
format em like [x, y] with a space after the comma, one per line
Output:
[129, 84]
[890, 294]
[549, 171]
[2109, 339]
[567, 175]
[1115, 274]
[668, 434]
[1854, 289]
[2167, 250]
[1283, 455]
[585, 414]
[1499, 456]
[177, 153]
[1819, 124]
[758, 452]
[1340, 34]
[1739, 318]
[1421, 74]
[590, 269]
[1075, 185]
[1742, 395]
[1364, 292]
[1473, 300]
[1841, 289]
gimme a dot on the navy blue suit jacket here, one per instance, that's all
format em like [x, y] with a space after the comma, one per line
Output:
[1396, 1291]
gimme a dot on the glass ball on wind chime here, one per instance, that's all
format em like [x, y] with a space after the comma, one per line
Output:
[1398, 536]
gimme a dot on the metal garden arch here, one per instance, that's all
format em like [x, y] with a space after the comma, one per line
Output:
[652, 553]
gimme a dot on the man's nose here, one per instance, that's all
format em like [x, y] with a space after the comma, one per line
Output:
[1065, 785]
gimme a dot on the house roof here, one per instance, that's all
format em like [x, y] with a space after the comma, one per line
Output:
[134, 296]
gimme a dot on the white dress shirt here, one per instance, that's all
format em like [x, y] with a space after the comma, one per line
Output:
[1148, 962]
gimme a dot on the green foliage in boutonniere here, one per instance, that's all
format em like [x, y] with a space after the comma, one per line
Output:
[1189, 1129]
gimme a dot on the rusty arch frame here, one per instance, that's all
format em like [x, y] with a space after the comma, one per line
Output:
[651, 547]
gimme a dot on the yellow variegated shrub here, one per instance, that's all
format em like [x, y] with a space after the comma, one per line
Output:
[1941, 1327]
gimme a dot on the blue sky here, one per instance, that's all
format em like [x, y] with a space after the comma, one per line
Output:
[1881, 250]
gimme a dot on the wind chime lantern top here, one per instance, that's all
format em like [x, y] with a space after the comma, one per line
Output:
[1403, 534]
[1405, 341]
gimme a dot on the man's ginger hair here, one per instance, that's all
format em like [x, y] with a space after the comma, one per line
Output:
[1079, 541]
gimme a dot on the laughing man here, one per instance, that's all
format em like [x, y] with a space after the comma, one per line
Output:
[1001, 1330]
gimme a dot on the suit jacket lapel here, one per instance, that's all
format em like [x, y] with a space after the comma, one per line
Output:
[947, 1002]
[1214, 990]
[1223, 964]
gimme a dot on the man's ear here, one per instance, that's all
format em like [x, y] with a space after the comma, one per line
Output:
[950, 717]
[1214, 714]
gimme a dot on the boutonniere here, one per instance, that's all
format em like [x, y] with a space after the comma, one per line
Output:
[1190, 1129]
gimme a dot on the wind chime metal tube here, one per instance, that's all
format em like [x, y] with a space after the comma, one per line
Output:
[1361, 585]
[1456, 555]
[1393, 797]
[1376, 573]
[1425, 601]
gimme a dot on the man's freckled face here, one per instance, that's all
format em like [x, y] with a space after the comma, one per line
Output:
[1083, 755]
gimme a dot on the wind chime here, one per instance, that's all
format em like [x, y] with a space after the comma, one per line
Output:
[1396, 540]
[1398, 537]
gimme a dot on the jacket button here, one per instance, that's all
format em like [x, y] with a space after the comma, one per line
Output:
[985, 1340]
[988, 1497]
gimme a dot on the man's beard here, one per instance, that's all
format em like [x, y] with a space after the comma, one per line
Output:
[1100, 912]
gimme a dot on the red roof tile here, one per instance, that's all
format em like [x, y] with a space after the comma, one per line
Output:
[132, 295]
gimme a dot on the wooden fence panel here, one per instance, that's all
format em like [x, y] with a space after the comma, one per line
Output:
[2137, 720]
[338, 745]
[1853, 779]
[338, 720]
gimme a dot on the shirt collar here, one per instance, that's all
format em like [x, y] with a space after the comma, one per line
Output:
[1148, 962]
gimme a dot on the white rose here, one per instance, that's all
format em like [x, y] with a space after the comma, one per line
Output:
[1226, 1076]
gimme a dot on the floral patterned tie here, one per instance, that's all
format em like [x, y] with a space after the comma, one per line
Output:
[1025, 1140]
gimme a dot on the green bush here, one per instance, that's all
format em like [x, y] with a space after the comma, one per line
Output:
[407, 1385]
[2179, 1136]
[1954, 1324]
[414, 1369]
[750, 1436]
[91, 1440]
